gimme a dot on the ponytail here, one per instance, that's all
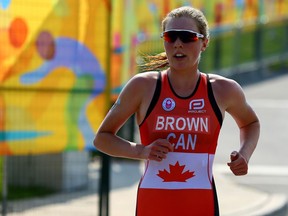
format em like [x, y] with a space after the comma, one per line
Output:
[157, 62]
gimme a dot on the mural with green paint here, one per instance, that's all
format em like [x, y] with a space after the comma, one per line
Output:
[54, 62]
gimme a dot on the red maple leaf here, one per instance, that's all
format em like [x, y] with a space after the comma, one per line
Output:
[176, 173]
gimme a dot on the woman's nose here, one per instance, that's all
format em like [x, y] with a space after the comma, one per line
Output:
[178, 43]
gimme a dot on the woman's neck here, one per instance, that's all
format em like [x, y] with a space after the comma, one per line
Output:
[183, 82]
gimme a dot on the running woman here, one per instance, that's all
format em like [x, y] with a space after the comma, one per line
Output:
[179, 111]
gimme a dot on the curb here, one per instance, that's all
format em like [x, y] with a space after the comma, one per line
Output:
[276, 206]
[239, 200]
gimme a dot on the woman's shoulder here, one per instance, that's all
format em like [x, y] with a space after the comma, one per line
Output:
[148, 75]
[226, 90]
[141, 83]
[222, 82]
[145, 79]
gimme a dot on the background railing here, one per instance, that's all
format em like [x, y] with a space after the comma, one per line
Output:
[238, 49]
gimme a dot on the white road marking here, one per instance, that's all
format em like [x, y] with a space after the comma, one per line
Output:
[258, 175]
[263, 181]
[269, 103]
[259, 170]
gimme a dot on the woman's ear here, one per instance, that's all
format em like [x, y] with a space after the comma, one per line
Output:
[204, 44]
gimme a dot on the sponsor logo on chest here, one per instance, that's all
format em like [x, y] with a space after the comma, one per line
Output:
[195, 106]
[183, 129]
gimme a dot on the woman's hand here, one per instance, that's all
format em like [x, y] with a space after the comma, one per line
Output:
[157, 150]
[238, 164]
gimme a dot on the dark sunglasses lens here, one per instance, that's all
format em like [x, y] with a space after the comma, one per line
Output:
[170, 36]
[184, 36]
[187, 37]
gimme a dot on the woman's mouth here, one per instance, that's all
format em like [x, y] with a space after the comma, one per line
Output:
[179, 55]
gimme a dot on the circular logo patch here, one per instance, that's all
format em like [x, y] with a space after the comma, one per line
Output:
[168, 104]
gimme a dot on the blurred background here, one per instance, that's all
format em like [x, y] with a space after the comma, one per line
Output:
[63, 63]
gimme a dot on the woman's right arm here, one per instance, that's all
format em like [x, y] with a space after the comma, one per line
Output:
[126, 105]
[129, 102]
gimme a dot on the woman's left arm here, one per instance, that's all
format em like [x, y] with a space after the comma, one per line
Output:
[249, 127]
[230, 98]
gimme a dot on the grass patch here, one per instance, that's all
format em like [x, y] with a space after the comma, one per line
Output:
[18, 193]
[279, 66]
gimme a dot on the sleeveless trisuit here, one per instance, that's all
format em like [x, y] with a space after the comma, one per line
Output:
[182, 184]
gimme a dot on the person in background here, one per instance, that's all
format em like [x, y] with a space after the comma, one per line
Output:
[179, 111]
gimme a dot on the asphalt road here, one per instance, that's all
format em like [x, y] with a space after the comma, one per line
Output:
[268, 170]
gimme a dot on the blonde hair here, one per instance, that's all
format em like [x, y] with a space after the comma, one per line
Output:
[160, 61]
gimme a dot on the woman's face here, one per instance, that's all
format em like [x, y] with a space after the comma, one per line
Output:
[184, 56]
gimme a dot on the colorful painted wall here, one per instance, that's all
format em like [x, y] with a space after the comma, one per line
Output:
[52, 59]
[54, 62]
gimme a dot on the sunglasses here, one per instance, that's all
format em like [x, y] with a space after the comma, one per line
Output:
[186, 36]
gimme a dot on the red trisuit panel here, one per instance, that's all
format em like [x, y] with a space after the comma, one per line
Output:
[182, 184]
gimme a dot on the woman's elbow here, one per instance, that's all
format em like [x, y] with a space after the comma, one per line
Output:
[102, 141]
[97, 141]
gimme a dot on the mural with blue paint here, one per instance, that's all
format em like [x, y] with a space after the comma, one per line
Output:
[52, 75]
[69, 53]
[53, 61]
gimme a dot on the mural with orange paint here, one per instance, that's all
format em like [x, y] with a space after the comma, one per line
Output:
[52, 74]
[53, 62]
